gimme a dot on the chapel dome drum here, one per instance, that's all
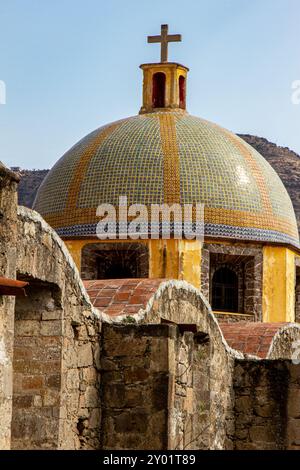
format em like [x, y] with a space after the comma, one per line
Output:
[169, 156]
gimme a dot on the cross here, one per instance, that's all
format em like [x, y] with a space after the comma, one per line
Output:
[164, 39]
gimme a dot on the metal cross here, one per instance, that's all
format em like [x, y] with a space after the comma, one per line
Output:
[164, 39]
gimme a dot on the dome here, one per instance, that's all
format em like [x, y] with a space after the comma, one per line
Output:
[169, 156]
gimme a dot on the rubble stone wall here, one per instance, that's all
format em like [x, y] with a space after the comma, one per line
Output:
[8, 235]
[43, 258]
[267, 411]
[178, 302]
[37, 369]
[154, 395]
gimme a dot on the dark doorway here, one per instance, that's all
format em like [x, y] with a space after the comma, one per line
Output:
[114, 261]
[158, 90]
[182, 92]
[225, 290]
[117, 265]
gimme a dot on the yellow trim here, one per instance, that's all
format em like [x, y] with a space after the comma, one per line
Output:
[171, 159]
[278, 284]
[232, 313]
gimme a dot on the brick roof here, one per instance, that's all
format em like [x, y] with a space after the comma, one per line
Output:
[251, 338]
[127, 296]
[121, 296]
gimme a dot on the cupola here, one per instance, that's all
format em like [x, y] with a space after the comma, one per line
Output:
[164, 83]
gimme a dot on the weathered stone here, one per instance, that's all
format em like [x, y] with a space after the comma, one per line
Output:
[136, 374]
[136, 421]
[51, 315]
[85, 355]
[92, 397]
[51, 328]
[27, 328]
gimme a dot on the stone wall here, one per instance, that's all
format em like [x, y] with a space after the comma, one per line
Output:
[43, 258]
[293, 408]
[190, 413]
[155, 388]
[267, 410]
[180, 303]
[8, 235]
[136, 393]
[37, 368]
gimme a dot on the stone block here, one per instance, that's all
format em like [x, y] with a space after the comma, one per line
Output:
[90, 375]
[51, 315]
[97, 355]
[294, 402]
[50, 398]
[37, 401]
[94, 419]
[243, 404]
[92, 398]
[294, 432]
[85, 355]
[34, 382]
[54, 381]
[136, 374]
[72, 379]
[22, 401]
[262, 433]
[51, 328]
[134, 397]
[27, 328]
[131, 421]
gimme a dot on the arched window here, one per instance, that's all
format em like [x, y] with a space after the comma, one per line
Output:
[182, 92]
[225, 290]
[158, 90]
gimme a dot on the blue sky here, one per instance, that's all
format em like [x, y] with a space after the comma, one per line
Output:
[71, 66]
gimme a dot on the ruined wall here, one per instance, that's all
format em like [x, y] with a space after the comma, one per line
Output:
[136, 395]
[37, 368]
[190, 412]
[286, 343]
[8, 234]
[293, 408]
[43, 258]
[180, 303]
[267, 410]
[154, 394]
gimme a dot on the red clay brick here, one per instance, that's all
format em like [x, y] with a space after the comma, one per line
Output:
[102, 301]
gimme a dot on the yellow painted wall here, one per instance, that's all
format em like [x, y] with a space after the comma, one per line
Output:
[75, 247]
[170, 259]
[278, 284]
[181, 259]
[190, 261]
[175, 259]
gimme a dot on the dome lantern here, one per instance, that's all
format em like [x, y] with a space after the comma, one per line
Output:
[164, 83]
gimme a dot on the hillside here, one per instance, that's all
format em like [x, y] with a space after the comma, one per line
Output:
[284, 161]
[29, 184]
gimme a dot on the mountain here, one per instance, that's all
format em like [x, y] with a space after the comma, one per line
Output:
[284, 161]
[29, 184]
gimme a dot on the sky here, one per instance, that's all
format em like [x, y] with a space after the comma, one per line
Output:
[70, 66]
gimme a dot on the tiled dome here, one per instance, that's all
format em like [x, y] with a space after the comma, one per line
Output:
[169, 157]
